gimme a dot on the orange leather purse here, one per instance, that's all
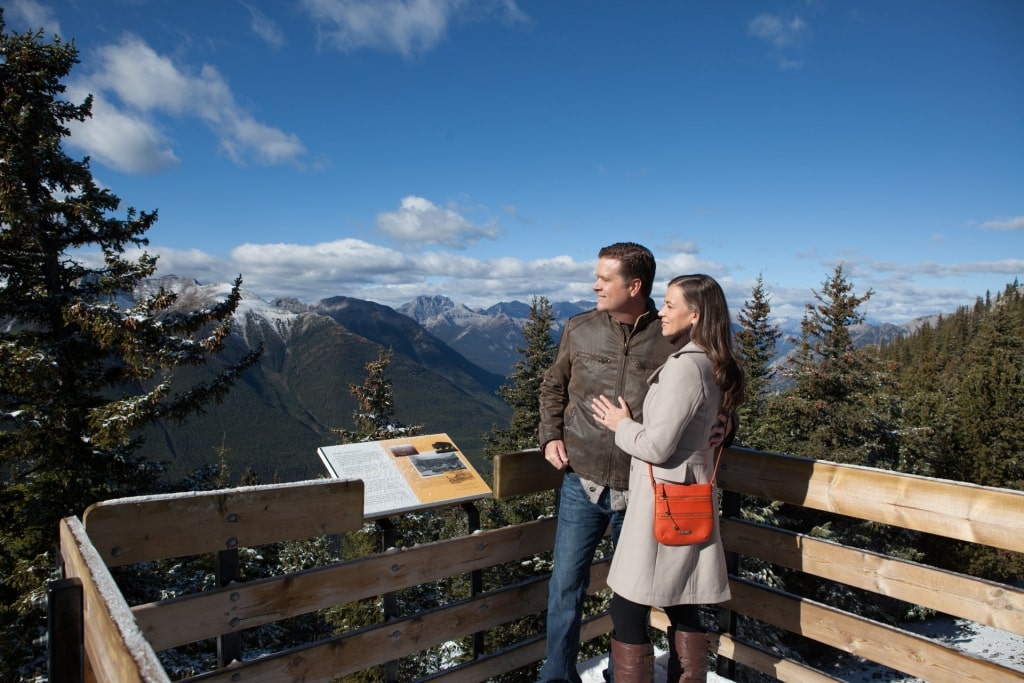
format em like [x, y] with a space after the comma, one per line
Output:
[684, 514]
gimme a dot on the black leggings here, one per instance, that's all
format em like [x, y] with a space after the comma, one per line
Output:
[629, 619]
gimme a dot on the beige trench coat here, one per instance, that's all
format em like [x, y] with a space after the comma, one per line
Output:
[679, 412]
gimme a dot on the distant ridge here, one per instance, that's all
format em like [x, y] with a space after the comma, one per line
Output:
[448, 362]
[281, 411]
[489, 337]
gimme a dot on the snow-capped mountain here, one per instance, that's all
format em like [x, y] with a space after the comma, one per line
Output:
[283, 409]
[448, 361]
[488, 337]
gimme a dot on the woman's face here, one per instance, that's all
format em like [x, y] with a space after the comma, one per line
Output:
[677, 317]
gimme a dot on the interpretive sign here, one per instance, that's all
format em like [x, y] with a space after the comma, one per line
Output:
[410, 473]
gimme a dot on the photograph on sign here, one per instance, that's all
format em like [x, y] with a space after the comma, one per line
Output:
[406, 474]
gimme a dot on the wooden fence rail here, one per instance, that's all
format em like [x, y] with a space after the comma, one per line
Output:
[121, 641]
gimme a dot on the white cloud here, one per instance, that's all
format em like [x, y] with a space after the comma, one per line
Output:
[385, 25]
[1009, 266]
[33, 16]
[268, 31]
[146, 85]
[1015, 223]
[352, 267]
[408, 27]
[683, 263]
[420, 221]
[777, 31]
[682, 245]
[444, 264]
[243, 137]
[145, 80]
[342, 260]
[356, 268]
[130, 144]
[191, 263]
[513, 212]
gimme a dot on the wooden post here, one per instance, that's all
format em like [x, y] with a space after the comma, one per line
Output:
[476, 577]
[65, 636]
[388, 539]
[229, 645]
[727, 619]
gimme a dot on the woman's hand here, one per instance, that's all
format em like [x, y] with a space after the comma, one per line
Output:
[607, 413]
[720, 431]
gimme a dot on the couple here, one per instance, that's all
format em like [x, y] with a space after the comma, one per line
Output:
[622, 385]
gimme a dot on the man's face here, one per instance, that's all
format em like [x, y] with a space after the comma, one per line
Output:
[614, 293]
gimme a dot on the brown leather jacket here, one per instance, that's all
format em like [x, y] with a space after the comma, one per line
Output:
[598, 355]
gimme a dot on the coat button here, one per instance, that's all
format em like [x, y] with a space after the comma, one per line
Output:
[592, 489]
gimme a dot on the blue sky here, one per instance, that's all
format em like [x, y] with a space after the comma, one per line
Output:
[486, 149]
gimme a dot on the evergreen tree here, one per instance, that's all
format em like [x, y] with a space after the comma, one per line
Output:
[962, 380]
[80, 375]
[987, 393]
[756, 341]
[522, 394]
[522, 391]
[843, 405]
[987, 397]
[375, 420]
[963, 384]
[375, 416]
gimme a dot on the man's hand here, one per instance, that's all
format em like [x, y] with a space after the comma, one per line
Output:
[554, 453]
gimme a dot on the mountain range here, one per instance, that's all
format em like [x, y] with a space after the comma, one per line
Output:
[448, 362]
[489, 337]
[282, 410]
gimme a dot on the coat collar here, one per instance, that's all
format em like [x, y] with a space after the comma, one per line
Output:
[688, 347]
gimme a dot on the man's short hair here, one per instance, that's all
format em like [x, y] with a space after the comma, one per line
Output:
[636, 262]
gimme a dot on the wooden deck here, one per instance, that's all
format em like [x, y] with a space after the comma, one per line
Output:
[121, 640]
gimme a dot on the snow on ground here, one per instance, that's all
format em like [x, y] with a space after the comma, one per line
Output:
[991, 643]
[994, 644]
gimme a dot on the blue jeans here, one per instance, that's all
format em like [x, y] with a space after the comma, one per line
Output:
[581, 526]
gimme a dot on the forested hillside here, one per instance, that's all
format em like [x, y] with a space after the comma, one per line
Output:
[962, 384]
[944, 401]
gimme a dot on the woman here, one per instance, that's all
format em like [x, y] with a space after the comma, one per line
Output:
[686, 394]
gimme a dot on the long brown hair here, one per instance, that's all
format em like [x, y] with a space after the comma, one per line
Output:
[713, 333]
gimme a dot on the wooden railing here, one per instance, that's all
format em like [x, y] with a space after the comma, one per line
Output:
[121, 641]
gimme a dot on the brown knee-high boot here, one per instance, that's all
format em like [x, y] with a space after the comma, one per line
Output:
[688, 656]
[633, 663]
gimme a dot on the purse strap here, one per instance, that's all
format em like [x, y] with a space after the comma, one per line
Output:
[714, 474]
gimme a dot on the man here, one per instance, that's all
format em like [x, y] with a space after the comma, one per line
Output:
[609, 351]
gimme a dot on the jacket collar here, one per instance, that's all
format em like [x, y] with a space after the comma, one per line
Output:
[642, 322]
[647, 317]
